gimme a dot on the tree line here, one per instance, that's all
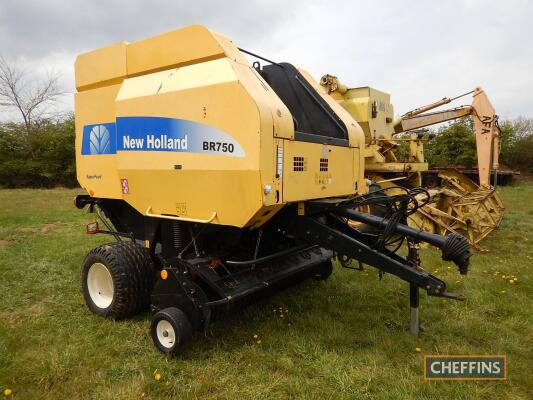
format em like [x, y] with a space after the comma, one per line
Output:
[46, 158]
[39, 150]
[455, 144]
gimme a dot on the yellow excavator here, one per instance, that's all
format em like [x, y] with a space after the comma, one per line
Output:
[459, 205]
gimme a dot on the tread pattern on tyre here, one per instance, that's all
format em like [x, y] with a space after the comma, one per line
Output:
[182, 328]
[132, 271]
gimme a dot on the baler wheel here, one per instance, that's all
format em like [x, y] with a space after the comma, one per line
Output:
[117, 279]
[171, 330]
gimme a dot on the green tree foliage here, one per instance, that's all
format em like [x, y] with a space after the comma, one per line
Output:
[521, 154]
[455, 145]
[517, 144]
[44, 159]
[38, 151]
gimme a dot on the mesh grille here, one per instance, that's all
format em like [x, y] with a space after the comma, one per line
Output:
[300, 164]
[323, 165]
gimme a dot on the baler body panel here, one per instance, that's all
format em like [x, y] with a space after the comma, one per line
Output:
[195, 132]
[98, 174]
[308, 167]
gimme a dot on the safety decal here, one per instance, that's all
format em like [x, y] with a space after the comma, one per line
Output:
[125, 186]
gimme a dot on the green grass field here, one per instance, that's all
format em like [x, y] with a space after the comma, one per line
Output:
[346, 338]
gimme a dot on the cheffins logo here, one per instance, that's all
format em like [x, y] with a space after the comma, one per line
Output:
[445, 367]
[99, 139]
[158, 134]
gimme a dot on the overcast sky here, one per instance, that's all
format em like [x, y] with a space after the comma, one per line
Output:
[418, 51]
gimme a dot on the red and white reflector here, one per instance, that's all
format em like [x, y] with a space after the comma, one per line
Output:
[92, 228]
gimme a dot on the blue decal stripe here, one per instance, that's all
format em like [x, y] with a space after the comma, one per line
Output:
[158, 134]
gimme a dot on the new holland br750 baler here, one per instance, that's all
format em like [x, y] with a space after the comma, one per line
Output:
[221, 180]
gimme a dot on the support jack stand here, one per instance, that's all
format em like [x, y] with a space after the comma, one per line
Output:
[414, 295]
[414, 300]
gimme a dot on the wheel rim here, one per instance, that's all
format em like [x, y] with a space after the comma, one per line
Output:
[100, 285]
[165, 334]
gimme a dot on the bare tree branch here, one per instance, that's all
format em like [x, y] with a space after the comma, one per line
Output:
[28, 96]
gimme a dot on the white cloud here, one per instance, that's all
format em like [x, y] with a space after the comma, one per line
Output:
[418, 51]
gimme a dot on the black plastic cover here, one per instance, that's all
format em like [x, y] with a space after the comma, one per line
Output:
[314, 120]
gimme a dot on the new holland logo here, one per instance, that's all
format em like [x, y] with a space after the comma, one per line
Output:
[157, 134]
[99, 140]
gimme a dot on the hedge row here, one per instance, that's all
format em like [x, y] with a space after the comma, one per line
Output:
[44, 157]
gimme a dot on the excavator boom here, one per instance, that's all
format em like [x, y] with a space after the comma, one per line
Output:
[485, 127]
[422, 120]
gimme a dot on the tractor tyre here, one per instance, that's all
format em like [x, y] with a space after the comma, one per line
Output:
[117, 279]
[171, 330]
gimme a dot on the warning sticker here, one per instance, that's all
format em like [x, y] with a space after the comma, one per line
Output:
[125, 186]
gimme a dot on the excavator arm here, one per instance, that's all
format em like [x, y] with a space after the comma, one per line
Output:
[487, 136]
[423, 120]
[485, 127]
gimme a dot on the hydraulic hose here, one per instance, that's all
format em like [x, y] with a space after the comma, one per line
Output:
[454, 247]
